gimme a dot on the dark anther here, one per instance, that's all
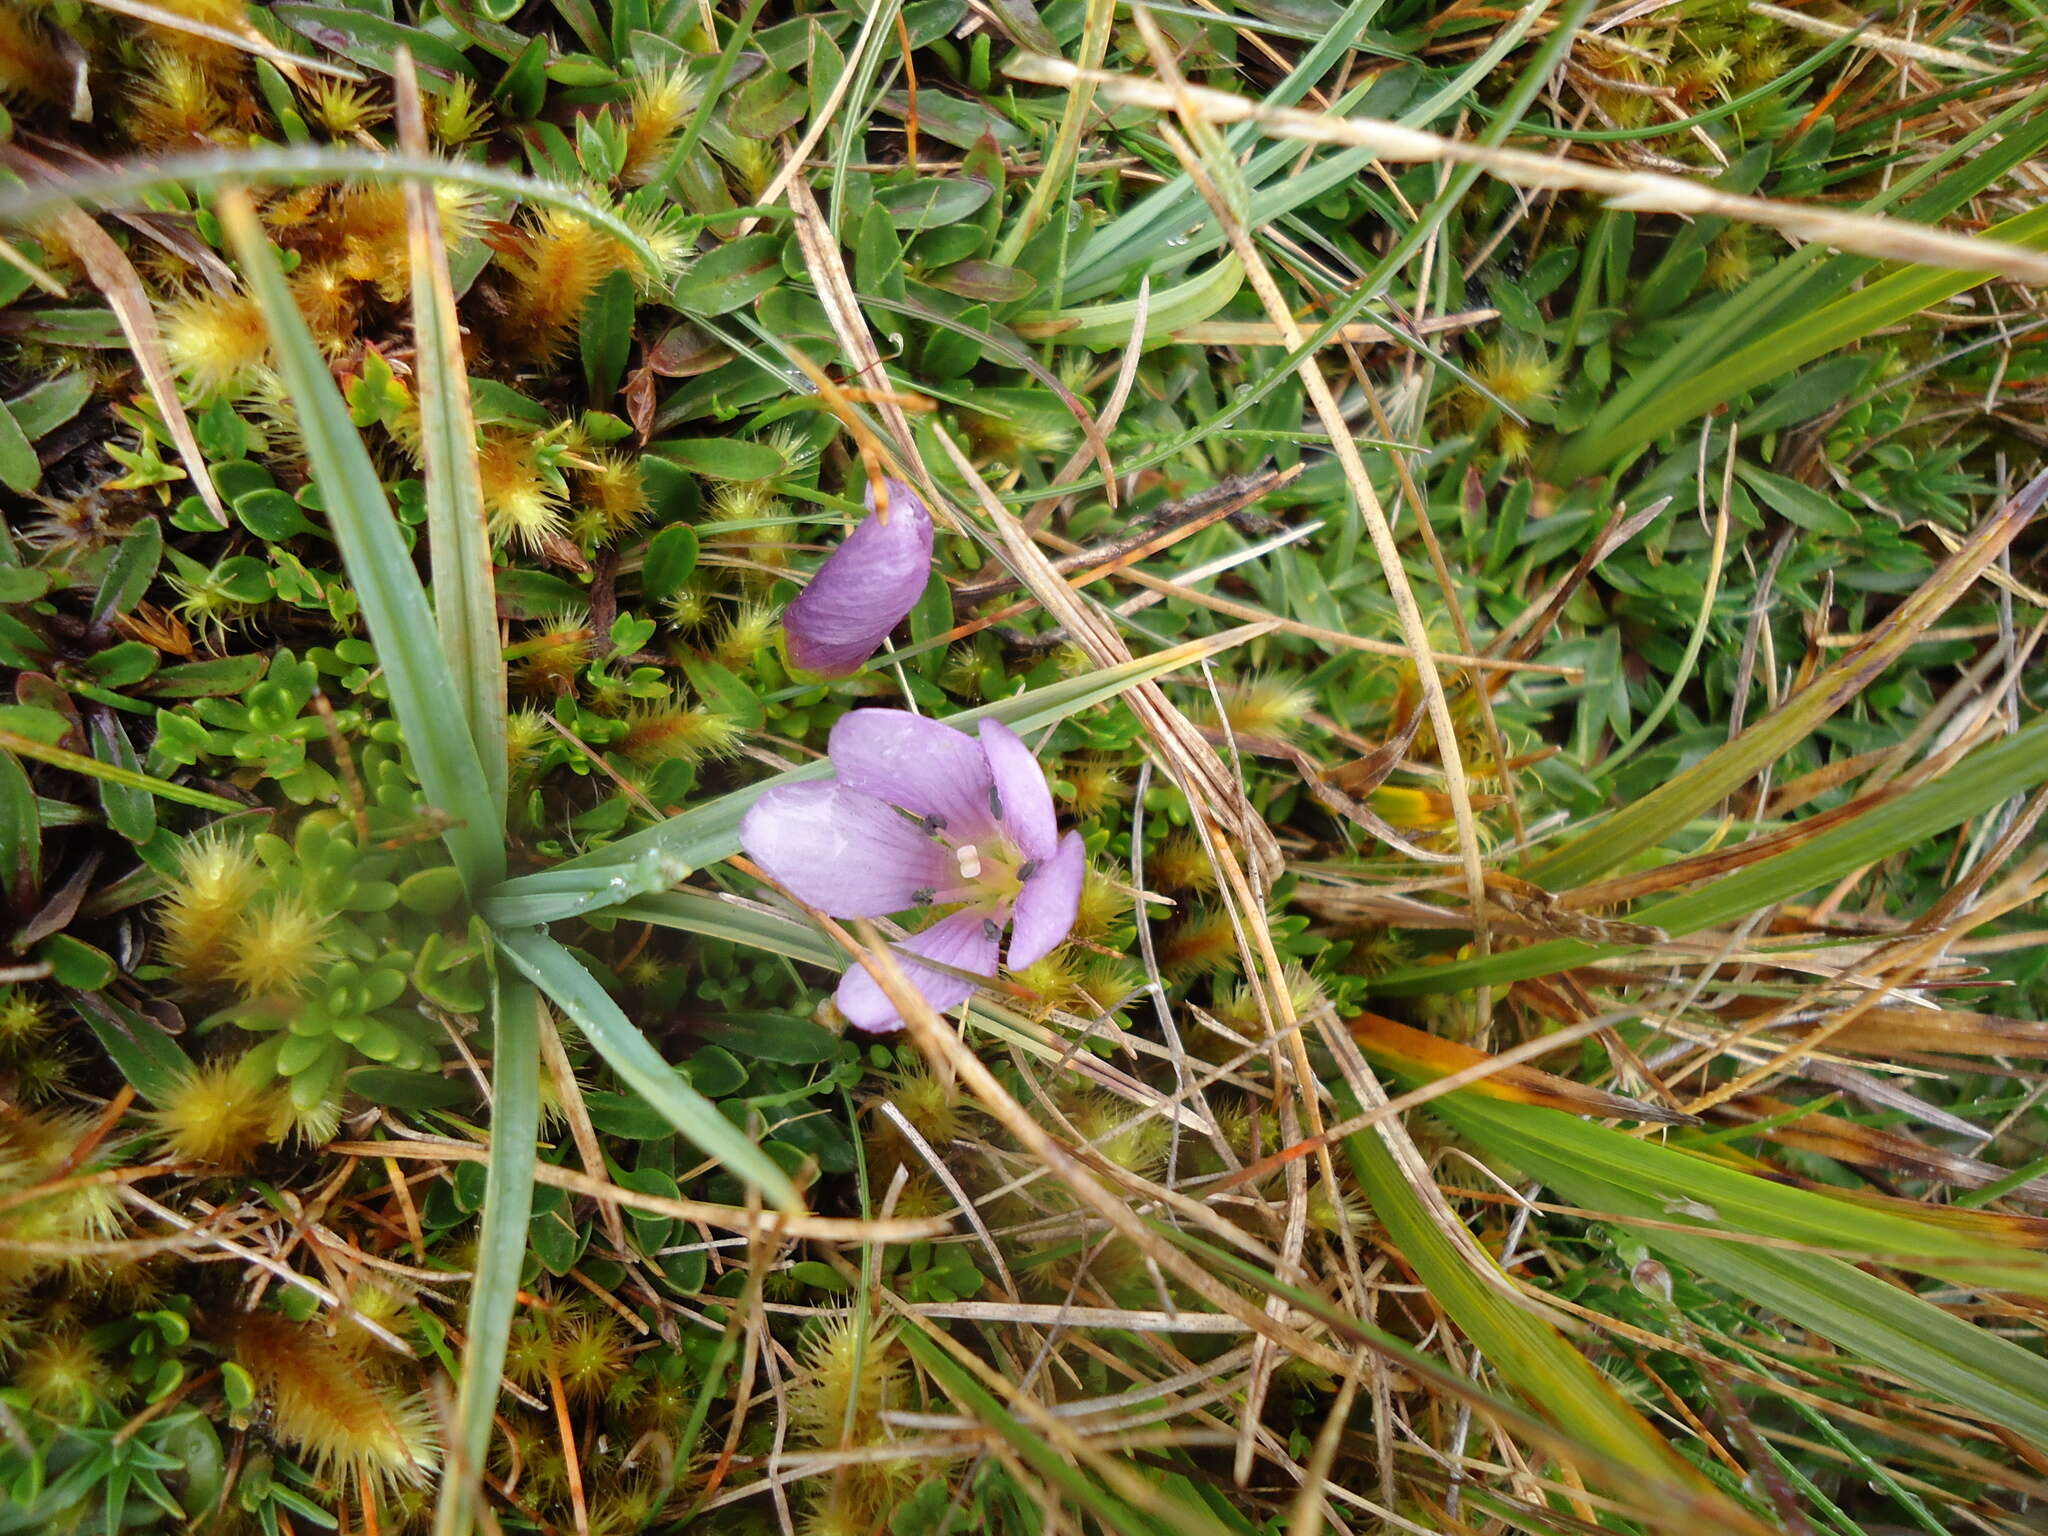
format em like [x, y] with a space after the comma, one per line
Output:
[1027, 869]
[935, 822]
[991, 929]
[923, 895]
[995, 803]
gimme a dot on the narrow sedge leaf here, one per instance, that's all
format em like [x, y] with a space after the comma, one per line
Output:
[1672, 804]
[1602, 1169]
[577, 993]
[1981, 781]
[1526, 1350]
[501, 1245]
[458, 535]
[113, 773]
[394, 603]
[1055, 1466]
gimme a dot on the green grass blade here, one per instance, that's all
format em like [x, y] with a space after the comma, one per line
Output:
[701, 913]
[1880, 1322]
[500, 1248]
[660, 856]
[1055, 1466]
[114, 773]
[1779, 306]
[1537, 1361]
[1894, 298]
[577, 993]
[28, 202]
[378, 563]
[1672, 804]
[1545, 1142]
[1981, 781]
[458, 536]
[1684, 1504]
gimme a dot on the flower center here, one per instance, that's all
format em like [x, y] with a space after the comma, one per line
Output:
[989, 873]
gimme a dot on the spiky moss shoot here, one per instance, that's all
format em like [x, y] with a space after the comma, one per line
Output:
[1181, 863]
[1346, 1212]
[41, 1075]
[754, 162]
[327, 1404]
[1273, 707]
[551, 267]
[456, 116]
[29, 66]
[624, 1506]
[963, 675]
[64, 1376]
[664, 732]
[1121, 1133]
[277, 949]
[689, 607]
[341, 109]
[173, 102]
[1054, 984]
[1009, 441]
[219, 343]
[527, 735]
[936, 1111]
[218, 878]
[747, 633]
[1731, 259]
[365, 227]
[590, 1355]
[549, 663]
[851, 1373]
[371, 1301]
[612, 493]
[530, 1348]
[36, 1146]
[1238, 1003]
[1199, 942]
[1094, 786]
[745, 501]
[657, 111]
[1376, 951]
[331, 302]
[1107, 984]
[220, 1113]
[523, 500]
[24, 1020]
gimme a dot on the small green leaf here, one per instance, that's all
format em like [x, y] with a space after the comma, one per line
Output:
[43, 408]
[20, 469]
[731, 276]
[76, 964]
[670, 560]
[21, 834]
[607, 335]
[722, 458]
[224, 677]
[1797, 503]
[130, 572]
[985, 280]
[130, 810]
[931, 201]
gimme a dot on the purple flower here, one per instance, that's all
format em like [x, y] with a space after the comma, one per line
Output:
[864, 588]
[922, 815]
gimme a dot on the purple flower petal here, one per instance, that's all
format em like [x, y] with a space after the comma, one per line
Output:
[1047, 905]
[1025, 798]
[863, 589]
[967, 941]
[927, 768]
[845, 853]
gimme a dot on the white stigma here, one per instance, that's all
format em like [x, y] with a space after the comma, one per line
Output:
[970, 861]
